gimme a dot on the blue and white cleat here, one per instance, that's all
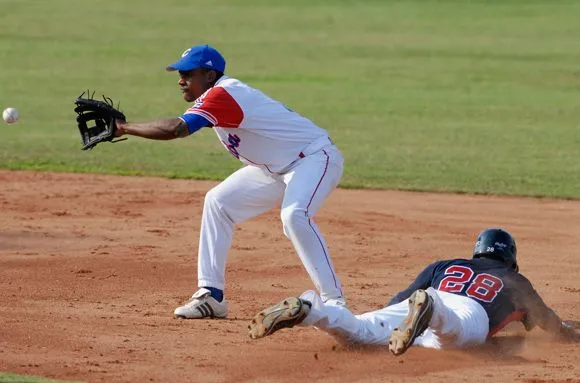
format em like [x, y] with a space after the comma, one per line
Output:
[202, 305]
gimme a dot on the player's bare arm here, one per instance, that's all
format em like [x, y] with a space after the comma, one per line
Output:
[166, 129]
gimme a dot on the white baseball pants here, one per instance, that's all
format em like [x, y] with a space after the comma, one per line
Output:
[457, 322]
[251, 191]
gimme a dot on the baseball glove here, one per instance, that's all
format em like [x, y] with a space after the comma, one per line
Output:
[96, 120]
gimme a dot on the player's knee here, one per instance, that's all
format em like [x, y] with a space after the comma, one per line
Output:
[218, 203]
[293, 219]
[215, 199]
[212, 196]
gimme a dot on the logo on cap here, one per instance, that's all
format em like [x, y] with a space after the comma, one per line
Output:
[209, 63]
[186, 52]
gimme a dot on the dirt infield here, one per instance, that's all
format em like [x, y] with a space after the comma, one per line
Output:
[91, 268]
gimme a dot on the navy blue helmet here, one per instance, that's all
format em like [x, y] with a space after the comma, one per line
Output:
[497, 244]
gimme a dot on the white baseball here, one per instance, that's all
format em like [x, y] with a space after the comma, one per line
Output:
[10, 115]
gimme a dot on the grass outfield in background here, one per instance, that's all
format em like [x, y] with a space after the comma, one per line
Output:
[13, 378]
[427, 95]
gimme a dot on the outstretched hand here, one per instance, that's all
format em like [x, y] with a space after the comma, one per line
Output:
[568, 331]
[574, 323]
[119, 124]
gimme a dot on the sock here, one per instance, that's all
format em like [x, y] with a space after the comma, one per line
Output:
[216, 294]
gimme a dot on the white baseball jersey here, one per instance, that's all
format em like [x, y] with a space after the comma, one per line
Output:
[257, 129]
[292, 165]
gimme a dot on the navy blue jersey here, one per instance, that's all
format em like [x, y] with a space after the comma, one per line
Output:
[505, 294]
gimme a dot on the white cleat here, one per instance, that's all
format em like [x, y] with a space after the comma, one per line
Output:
[202, 305]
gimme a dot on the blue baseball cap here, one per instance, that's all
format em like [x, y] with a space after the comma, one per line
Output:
[199, 56]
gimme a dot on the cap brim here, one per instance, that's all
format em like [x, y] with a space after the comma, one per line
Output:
[180, 65]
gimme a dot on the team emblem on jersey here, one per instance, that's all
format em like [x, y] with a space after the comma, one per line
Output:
[199, 102]
[232, 144]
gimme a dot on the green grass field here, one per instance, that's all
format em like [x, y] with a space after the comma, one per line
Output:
[14, 378]
[464, 96]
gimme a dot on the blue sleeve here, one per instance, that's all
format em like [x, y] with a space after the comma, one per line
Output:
[422, 281]
[194, 122]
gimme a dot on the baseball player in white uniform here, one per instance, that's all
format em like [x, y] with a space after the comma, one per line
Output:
[290, 163]
[454, 303]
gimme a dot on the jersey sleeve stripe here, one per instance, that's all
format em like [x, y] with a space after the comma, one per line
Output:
[194, 122]
[205, 114]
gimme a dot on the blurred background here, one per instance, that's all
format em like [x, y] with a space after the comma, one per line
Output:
[461, 96]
